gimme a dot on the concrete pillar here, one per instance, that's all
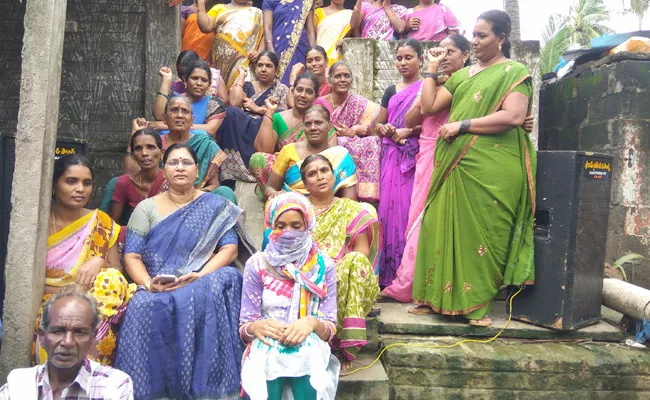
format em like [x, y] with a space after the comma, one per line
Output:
[163, 43]
[32, 182]
[359, 54]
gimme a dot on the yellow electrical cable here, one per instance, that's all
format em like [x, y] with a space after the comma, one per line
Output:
[441, 346]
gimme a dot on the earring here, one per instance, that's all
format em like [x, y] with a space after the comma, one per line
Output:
[499, 46]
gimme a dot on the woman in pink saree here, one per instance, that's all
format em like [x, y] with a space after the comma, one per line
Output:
[355, 119]
[377, 19]
[401, 288]
[430, 20]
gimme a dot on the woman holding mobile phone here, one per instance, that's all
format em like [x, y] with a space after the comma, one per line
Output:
[192, 235]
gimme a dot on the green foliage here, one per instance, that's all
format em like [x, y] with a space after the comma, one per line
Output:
[556, 39]
[618, 264]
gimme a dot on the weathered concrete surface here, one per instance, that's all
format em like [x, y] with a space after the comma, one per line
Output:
[369, 384]
[32, 184]
[603, 107]
[254, 210]
[163, 43]
[395, 319]
[508, 369]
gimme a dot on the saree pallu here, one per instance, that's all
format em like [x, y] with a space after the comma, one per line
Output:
[330, 29]
[184, 343]
[375, 24]
[238, 132]
[440, 20]
[356, 279]
[365, 150]
[397, 175]
[402, 287]
[90, 236]
[238, 34]
[194, 39]
[477, 229]
[289, 32]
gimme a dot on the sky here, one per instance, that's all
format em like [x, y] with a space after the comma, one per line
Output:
[534, 14]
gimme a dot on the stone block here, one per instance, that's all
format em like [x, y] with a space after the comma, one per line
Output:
[629, 75]
[593, 83]
[368, 384]
[403, 392]
[596, 137]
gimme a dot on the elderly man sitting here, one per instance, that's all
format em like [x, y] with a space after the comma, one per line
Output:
[68, 327]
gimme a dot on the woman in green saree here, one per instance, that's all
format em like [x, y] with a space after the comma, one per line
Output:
[477, 228]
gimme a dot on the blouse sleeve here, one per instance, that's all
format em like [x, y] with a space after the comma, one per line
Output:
[268, 5]
[230, 237]
[251, 299]
[281, 164]
[366, 7]
[119, 194]
[138, 228]
[388, 94]
[249, 89]
[328, 306]
[216, 11]
[524, 88]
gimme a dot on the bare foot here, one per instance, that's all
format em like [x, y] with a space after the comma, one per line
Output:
[483, 322]
[346, 365]
[420, 310]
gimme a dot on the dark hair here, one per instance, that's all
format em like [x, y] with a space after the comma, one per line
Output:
[176, 98]
[501, 25]
[185, 59]
[62, 164]
[319, 49]
[310, 159]
[70, 291]
[319, 108]
[308, 75]
[149, 132]
[271, 55]
[200, 64]
[339, 64]
[412, 43]
[177, 146]
[463, 45]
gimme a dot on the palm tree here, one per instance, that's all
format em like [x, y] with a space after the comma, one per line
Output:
[585, 21]
[512, 8]
[563, 32]
[639, 8]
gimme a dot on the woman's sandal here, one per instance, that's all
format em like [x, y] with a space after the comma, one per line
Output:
[482, 323]
[420, 310]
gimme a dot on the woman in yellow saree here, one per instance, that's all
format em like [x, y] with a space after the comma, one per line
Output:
[332, 26]
[238, 35]
[82, 250]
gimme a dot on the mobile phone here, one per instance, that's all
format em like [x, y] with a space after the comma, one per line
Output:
[166, 278]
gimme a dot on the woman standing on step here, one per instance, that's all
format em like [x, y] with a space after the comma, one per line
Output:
[477, 227]
[288, 310]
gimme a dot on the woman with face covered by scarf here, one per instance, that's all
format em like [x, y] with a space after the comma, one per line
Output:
[288, 309]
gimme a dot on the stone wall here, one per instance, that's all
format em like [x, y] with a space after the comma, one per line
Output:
[11, 28]
[102, 84]
[603, 107]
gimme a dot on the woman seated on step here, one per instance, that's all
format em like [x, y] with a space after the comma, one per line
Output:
[178, 116]
[82, 250]
[245, 114]
[180, 339]
[282, 128]
[286, 169]
[184, 62]
[145, 150]
[356, 120]
[288, 311]
[209, 111]
[348, 232]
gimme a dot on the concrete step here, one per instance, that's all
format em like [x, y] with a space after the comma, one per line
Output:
[395, 319]
[369, 384]
[515, 369]
[254, 210]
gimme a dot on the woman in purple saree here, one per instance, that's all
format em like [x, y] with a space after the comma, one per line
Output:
[398, 151]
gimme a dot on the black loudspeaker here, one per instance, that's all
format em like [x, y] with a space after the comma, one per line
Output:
[64, 147]
[573, 194]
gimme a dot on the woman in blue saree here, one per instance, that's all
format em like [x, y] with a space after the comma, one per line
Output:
[180, 338]
[244, 116]
[289, 30]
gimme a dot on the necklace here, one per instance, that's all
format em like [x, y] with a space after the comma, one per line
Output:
[179, 205]
[54, 230]
[320, 209]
